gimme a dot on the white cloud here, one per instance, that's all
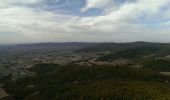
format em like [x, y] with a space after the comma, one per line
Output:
[114, 25]
[12, 3]
[97, 4]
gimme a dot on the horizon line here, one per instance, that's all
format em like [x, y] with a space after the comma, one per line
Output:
[17, 43]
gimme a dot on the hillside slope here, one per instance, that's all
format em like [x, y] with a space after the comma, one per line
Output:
[73, 82]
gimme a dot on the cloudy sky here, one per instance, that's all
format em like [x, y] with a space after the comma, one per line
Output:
[84, 20]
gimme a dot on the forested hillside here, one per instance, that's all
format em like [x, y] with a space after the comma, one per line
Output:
[73, 82]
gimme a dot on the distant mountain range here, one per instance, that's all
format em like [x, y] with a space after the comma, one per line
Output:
[115, 47]
[85, 46]
[132, 51]
[62, 45]
[2, 46]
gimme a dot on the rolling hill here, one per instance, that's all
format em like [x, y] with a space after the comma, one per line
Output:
[73, 82]
[62, 45]
[115, 47]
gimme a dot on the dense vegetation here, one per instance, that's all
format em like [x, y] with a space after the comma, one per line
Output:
[132, 53]
[158, 64]
[115, 47]
[73, 82]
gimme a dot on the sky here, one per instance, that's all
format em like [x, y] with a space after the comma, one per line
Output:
[23, 21]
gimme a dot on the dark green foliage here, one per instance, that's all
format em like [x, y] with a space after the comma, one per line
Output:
[43, 68]
[132, 53]
[116, 47]
[158, 64]
[117, 90]
[72, 82]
